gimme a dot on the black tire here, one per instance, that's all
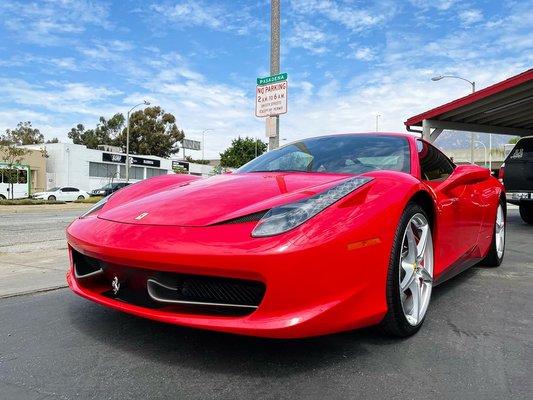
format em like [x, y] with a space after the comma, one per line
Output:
[492, 259]
[2, 197]
[51, 198]
[395, 323]
[80, 197]
[526, 213]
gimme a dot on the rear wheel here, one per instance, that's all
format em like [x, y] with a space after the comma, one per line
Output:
[51, 198]
[497, 247]
[2, 197]
[410, 275]
[526, 212]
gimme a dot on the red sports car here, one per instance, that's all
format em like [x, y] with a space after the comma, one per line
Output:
[322, 235]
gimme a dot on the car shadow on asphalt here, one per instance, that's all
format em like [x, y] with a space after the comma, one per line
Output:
[242, 355]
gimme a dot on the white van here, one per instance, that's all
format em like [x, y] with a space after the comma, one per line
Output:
[20, 176]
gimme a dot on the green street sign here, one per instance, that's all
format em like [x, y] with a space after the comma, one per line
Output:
[272, 79]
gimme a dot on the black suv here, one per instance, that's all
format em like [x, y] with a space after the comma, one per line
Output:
[517, 175]
[108, 189]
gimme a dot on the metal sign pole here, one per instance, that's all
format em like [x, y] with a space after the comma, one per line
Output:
[273, 142]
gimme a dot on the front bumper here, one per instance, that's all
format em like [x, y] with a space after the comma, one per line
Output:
[313, 287]
[519, 197]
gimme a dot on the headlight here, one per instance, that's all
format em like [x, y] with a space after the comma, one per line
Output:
[96, 207]
[286, 217]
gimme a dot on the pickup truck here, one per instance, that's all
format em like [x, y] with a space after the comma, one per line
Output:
[517, 175]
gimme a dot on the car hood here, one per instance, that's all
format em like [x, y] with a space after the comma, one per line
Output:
[219, 198]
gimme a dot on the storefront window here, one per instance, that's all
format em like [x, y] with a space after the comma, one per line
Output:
[155, 172]
[135, 172]
[102, 170]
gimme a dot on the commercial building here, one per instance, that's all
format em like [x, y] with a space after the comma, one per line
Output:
[87, 169]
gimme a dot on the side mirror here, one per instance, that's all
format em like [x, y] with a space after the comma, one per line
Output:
[464, 175]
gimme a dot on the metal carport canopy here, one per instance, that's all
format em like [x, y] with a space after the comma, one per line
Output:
[504, 108]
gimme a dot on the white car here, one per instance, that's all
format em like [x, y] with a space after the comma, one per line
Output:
[63, 193]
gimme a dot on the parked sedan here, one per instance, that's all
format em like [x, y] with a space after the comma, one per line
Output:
[322, 235]
[106, 190]
[62, 193]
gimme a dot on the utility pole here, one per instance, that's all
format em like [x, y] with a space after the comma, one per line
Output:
[377, 122]
[473, 84]
[273, 142]
[146, 103]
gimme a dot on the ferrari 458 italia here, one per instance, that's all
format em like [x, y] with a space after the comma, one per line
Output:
[322, 235]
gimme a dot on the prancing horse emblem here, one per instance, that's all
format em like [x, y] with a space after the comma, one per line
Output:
[115, 284]
[141, 216]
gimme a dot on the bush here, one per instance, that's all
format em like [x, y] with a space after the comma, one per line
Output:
[90, 200]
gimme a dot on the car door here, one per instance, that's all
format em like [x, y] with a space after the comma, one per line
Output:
[74, 193]
[460, 211]
[63, 194]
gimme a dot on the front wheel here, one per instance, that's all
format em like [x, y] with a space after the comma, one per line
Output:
[526, 212]
[410, 274]
[80, 197]
[51, 198]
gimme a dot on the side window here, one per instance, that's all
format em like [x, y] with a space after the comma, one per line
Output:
[23, 176]
[522, 151]
[434, 165]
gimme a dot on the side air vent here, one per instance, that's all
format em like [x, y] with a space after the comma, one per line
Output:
[246, 218]
[84, 266]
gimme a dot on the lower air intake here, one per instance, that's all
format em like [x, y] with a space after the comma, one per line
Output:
[207, 291]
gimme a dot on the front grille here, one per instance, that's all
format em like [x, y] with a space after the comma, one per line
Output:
[166, 290]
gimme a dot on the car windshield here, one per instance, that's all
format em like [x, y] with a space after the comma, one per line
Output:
[108, 186]
[54, 189]
[351, 154]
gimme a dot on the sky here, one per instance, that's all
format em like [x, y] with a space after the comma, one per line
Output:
[64, 62]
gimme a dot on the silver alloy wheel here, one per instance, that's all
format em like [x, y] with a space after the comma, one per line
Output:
[499, 231]
[416, 269]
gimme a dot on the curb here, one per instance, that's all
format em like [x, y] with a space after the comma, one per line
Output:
[34, 291]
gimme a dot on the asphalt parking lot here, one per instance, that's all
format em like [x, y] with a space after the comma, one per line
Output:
[477, 343]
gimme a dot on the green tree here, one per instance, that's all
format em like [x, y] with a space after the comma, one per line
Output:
[11, 155]
[513, 140]
[192, 160]
[241, 151]
[106, 132]
[152, 131]
[24, 133]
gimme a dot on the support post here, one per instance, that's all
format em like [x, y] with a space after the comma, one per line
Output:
[273, 142]
[426, 130]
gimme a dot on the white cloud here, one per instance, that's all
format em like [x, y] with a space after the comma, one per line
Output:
[439, 5]
[51, 22]
[308, 37]
[469, 17]
[212, 15]
[363, 53]
[346, 13]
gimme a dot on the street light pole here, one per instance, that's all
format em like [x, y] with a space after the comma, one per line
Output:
[273, 142]
[438, 78]
[146, 103]
[203, 141]
[377, 122]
